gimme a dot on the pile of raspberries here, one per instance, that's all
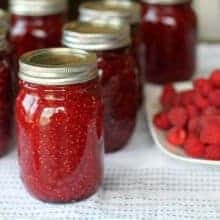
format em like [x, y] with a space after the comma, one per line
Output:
[191, 118]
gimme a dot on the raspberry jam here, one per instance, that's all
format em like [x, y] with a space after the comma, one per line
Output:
[118, 75]
[59, 116]
[6, 99]
[126, 11]
[36, 24]
[168, 47]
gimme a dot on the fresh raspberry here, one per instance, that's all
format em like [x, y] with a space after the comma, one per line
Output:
[192, 110]
[194, 125]
[187, 97]
[215, 78]
[168, 96]
[212, 152]
[176, 136]
[200, 101]
[203, 86]
[214, 97]
[210, 133]
[211, 110]
[161, 121]
[193, 147]
[178, 116]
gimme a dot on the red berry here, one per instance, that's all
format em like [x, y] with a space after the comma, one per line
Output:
[203, 86]
[214, 97]
[193, 147]
[200, 101]
[192, 110]
[168, 96]
[215, 78]
[187, 97]
[210, 134]
[194, 125]
[178, 116]
[212, 152]
[176, 136]
[161, 121]
[211, 110]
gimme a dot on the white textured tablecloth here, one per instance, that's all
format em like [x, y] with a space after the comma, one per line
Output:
[140, 182]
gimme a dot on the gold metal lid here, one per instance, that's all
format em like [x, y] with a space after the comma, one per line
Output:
[37, 7]
[166, 2]
[97, 35]
[4, 18]
[58, 66]
[118, 9]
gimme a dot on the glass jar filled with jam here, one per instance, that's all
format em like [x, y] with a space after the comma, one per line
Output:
[59, 115]
[36, 24]
[168, 50]
[111, 42]
[6, 94]
[127, 11]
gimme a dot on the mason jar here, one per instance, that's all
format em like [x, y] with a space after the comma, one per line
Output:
[59, 115]
[111, 42]
[169, 38]
[123, 10]
[36, 24]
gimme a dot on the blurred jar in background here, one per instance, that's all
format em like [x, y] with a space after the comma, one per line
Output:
[111, 42]
[124, 10]
[36, 24]
[208, 19]
[6, 94]
[168, 49]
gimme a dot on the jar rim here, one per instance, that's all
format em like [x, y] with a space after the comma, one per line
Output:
[58, 66]
[97, 35]
[127, 11]
[37, 8]
[166, 2]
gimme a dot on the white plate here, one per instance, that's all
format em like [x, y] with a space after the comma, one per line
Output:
[152, 107]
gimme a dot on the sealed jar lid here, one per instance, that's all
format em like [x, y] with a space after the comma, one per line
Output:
[126, 10]
[4, 18]
[166, 2]
[58, 66]
[37, 7]
[97, 35]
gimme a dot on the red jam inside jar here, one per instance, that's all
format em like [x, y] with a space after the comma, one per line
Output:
[168, 48]
[118, 75]
[125, 11]
[60, 127]
[6, 97]
[37, 28]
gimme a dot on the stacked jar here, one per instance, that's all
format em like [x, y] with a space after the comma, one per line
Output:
[111, 42]
[168, 50]
[59, 114]
[123, 10]
[36, 24]
[6, 95]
